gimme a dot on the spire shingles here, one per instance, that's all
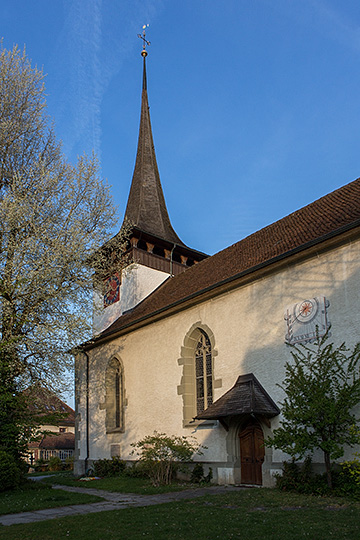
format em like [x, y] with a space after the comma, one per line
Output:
[146, 208]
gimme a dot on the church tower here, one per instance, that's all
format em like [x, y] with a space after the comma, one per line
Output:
[153, 251]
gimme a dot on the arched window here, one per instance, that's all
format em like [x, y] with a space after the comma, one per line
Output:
[114, 382]
[197, 382]
[203, 373]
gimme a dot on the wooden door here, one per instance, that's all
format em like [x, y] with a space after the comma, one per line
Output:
[252, 454]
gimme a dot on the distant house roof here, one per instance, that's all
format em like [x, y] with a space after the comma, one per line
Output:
[325, 218]
[55, 441]
[247, 396]
[48, 406]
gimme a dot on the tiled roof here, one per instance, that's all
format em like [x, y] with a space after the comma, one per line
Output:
[327, 216]
[44, 403]
[56, 441]
[247, 396]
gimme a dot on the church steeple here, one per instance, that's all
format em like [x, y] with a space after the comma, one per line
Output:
[146, 208]
[153, 250]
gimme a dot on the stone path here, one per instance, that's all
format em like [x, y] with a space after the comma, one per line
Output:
[112, 501]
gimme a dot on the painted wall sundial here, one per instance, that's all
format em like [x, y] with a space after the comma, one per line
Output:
[306, 310]
[305, 318]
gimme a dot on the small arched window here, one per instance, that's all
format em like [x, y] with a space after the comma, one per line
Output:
[203, 373]
[114, 382]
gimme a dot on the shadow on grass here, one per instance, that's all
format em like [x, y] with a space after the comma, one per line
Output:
[119, 484]
[32, 496]
[255, 514]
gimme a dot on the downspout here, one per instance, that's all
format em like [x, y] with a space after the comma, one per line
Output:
[87, 414]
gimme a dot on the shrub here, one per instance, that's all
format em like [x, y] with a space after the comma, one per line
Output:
[288, 480]
[163, 455]
[321, 385]
[197, 474]
[298, 477]
[69, 463]
[137, 470]
[209, 476]
[349, 476]
[352, 469]
[55, 463]
[10, 473]
[109, 467]
[40, 465]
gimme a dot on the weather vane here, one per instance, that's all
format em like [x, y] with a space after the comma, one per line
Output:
[146, 42]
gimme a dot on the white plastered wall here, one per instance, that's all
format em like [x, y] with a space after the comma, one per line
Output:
[249, 330]
[137, 282]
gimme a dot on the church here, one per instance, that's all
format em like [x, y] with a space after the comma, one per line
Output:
[191, 345]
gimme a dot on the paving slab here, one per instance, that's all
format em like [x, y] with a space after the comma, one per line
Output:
[113, 501]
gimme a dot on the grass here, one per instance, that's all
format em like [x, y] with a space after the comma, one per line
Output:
[255, 514]
[36, 496]
[121, 484]
[47, 473]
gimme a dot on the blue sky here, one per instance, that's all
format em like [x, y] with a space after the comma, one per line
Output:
[254, 103]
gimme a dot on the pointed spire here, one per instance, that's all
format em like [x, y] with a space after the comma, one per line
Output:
[144, 74]
[146, 208]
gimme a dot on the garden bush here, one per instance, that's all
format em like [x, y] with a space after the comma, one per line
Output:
[55, 464]
[41, 465]
[349, 477]
[138, 470]
[198, 476]
[299, 478]
[10, 473]
[69, 464]
[109, 467]
[163, 455]
[295, 476]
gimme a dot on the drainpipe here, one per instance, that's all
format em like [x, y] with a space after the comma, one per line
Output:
[87, 413]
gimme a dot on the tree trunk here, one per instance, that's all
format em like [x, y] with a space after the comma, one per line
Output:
[328, 469]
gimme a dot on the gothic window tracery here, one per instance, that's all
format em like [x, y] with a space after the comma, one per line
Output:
[197, 384]
[203, 373]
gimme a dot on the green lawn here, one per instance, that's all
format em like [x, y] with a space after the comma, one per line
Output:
[255, 514]
[35, 496]
[47, 473]
[121, 484]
